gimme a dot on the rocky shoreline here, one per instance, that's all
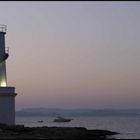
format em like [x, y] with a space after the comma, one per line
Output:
[52, 133]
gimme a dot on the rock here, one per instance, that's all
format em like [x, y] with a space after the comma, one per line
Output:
[21, 132]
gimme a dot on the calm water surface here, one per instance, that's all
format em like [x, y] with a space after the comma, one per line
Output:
[128, 127]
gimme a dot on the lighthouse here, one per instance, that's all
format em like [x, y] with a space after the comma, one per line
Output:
[7, 93]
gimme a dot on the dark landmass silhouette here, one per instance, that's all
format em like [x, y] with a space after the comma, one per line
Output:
[77, 112]
[53, 133]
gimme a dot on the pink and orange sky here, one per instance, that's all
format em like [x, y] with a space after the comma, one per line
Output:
[73, 54]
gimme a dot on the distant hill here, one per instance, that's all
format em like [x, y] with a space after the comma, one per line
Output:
[77, 112]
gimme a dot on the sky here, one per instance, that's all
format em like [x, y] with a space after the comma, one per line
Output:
[73, 54]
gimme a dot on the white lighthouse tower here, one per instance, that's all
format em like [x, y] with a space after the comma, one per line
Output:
[7, 94]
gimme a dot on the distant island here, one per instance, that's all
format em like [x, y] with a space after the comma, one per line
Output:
[77, 112]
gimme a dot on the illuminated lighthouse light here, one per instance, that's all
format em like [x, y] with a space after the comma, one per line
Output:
[3, 83]
[3, 80]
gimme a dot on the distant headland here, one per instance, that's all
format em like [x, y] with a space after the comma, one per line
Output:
[77, 112]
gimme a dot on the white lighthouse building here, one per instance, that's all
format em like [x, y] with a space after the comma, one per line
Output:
[7, 94]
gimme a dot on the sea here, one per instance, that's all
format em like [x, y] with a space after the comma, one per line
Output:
[127, 126]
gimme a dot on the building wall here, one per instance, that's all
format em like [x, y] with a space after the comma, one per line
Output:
[7, 109]
[7, 105]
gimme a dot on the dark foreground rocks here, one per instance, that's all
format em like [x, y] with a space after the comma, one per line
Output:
[52, 133]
